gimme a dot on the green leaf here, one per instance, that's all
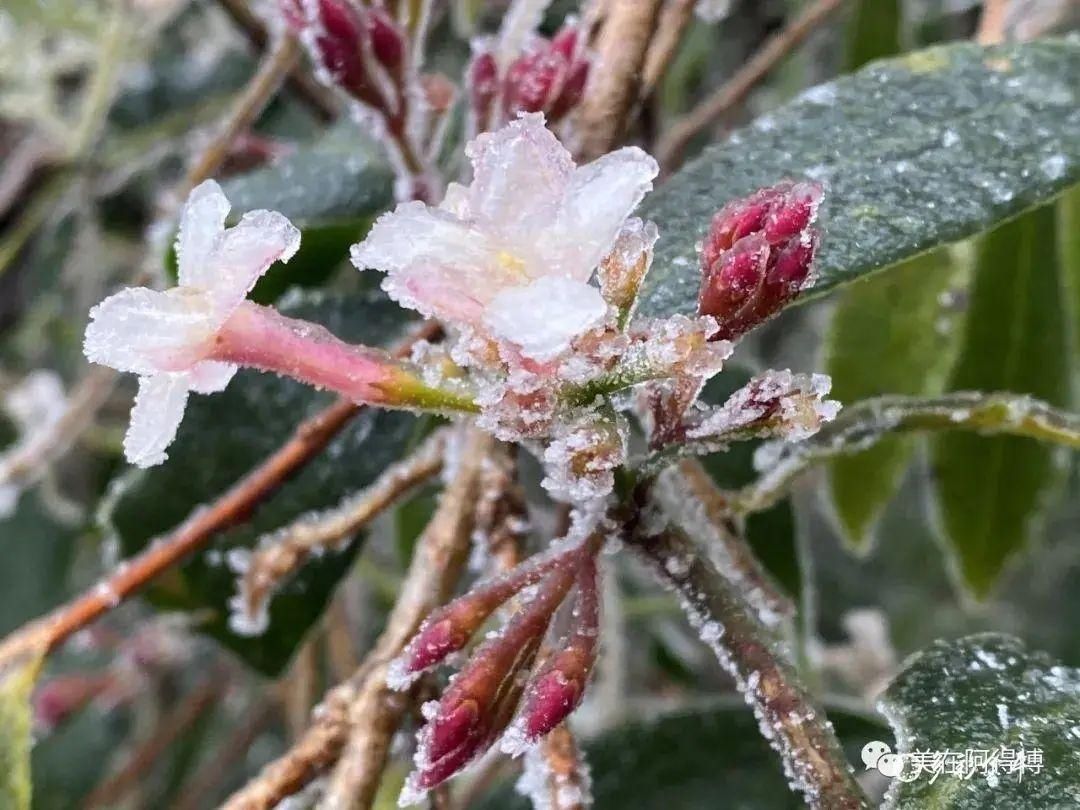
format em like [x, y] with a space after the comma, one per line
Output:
[224, 436]
[916, 152]
[16, 685]
[1069, 234]
[990, 491]
[984, 692]
[687, 760]
[332, 190]
[889, 334]
[874, 31]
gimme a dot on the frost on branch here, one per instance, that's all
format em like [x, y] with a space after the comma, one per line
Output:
[166, 337]
[35, 405]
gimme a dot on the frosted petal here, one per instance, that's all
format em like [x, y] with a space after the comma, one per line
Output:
[545, 316]
[520, 173]
[598, 199]
[436, 263]
[201, 224]
[145, 331]
[211, 376]
[158, 410]
[245, 252]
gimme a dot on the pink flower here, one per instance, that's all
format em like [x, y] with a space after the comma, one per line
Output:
[167, 338]
[511, 255]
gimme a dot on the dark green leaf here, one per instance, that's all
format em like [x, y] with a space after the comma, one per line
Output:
[687, 761]
[981, 693]
[16, 684]
[990, 490]
[225, 435]
[917, 152]
[875, 31]
[890, 334]
[1069, 234]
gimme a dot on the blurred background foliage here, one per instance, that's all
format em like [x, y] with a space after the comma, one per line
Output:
[101, 104]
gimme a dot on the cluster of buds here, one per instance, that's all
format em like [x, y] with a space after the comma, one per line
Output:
[757, 256]
[494, 695]
[361, 48]
[549, 77]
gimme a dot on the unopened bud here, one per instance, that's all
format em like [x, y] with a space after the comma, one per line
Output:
[757, 256]
[624, 267]
[482, 79]
[550, 78]
[581, 461]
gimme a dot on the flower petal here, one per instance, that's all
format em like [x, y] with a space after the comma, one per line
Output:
[158, 410]
[245, 252]
[211, 376]
[520, 174]
[201, 224]
[599, 197]
[436, 264]
[545, 316]
[145, 331]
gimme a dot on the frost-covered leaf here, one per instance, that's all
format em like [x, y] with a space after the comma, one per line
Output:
[990, 491]
[687, 760]
[916, 152]
[16, 684]
[225, 435]
[986, 692]
[890, 334]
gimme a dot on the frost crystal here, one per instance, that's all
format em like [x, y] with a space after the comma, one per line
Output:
[528, 214]
[165, 337]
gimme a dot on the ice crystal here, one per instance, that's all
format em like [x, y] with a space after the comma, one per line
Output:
[528, 214]
[165, 337]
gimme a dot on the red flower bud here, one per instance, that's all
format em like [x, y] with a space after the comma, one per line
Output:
[478, 704]
[559, 684]
[550, 78]
[482, 78]
[757, 256]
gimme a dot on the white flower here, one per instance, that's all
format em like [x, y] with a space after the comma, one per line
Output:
[512, 254]
[165, 337]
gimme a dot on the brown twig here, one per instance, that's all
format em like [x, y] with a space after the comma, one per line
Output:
[439, 558]
[796, 726]
[196, 794]
[363, 704]
[673, 144]
[307, 441]
[281, 553]
[613, 89]
[146, 755]
[740, 564]
[245, 110]
[299, 81]
[992, 22]
[673, 20]
[566, 777]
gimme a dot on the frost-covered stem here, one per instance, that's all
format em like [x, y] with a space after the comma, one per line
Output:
[673, 20]
[377, 711]
[314, 95]
[788, 714]
[260, 337]
[281, 553]
[991, 29]
[502, 514]
[245, 110]
[865, 423]
[625, 375]
[110, 791]
[131, 576]
[556, 776]
[613, 86]
[743, 566]
[436, 564]
[672, 147]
